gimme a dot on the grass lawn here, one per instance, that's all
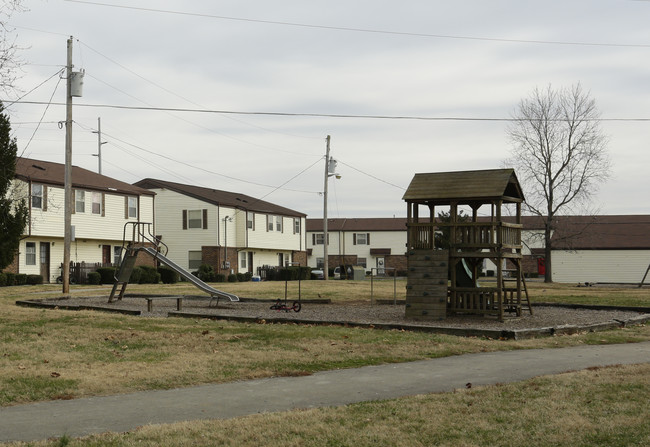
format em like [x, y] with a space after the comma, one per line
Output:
[54, 354]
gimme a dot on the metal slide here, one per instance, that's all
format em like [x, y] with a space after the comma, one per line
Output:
[187, 275]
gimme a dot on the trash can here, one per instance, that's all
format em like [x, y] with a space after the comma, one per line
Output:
[358, 273]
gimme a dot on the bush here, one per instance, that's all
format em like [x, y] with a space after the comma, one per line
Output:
[219, 277]
[94, 278]
[148, 275]
[206, 273]
[21, 279]
[107, 275]
[135, 275]
[168, 276]
[244, 277]
[33, 280]
[11, 279]
[232, 278]
[3, 279]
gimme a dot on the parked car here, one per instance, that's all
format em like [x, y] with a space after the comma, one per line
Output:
[317, 274]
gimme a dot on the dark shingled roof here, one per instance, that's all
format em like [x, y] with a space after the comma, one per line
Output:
[359, 224]
[218, 197]
[50, 173]
[463, 186]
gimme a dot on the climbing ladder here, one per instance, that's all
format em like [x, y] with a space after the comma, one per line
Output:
[143, 241]
[513, 302]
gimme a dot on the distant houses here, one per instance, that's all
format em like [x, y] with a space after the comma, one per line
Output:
[101, 207]
[605, 249]
[232, 232]
[236, 233]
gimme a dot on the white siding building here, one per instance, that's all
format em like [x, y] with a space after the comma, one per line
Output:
[373, 243]
[233, 232]
[101, 207]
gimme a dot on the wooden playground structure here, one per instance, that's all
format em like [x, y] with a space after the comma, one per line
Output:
[445, 257]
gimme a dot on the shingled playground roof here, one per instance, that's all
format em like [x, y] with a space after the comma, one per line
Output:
[464, 186]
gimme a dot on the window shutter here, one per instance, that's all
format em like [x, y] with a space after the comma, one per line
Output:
[368, 238]
[267, 223]
[354, 238]
[73, 207]
[44, 206]
[103, 205]
[328, 238]
[184, 219]
[126, 207]
[313, 239]
[205, 219]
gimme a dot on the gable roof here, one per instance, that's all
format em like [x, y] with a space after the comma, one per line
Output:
[602, 232]
[51, 173]
[445, 187]
[359, 224]
[220, 198]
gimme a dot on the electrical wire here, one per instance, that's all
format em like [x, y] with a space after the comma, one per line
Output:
[59, 72]
[371, 176]
[155, 84]
[365, 30]
[24, 151]
[198, 167]
[323, 115]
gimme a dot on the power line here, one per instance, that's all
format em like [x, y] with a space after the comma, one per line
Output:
[318, 115]
[371, 176]
[109, 136]
[363, 30]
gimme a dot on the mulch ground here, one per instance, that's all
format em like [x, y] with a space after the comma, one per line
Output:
[545, 320]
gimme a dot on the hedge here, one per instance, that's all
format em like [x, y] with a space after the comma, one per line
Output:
[168, 276]
[94, 278]
[107, 275]
[33, 280]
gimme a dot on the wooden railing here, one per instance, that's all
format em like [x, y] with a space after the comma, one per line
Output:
[468, 235]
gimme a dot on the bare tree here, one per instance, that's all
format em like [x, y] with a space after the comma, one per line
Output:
[10, 61]
[559, 152]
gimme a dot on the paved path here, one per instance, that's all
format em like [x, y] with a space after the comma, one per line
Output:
[330, 388]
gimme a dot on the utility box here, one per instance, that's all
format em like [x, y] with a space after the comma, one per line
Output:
[358, 273]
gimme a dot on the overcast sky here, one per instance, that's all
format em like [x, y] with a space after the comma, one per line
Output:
[409, 58]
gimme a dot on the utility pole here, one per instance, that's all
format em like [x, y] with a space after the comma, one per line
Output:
[325, 253]
[67, 179]
[99, 145]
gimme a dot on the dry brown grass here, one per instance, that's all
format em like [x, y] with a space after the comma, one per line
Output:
[603, 407]
[56, 354]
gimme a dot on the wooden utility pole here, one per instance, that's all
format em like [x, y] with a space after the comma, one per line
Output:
[99, 145]
[325, 253]
[67, 180]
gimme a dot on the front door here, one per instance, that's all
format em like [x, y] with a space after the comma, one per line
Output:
[250, 261]
[45, 261]
[281, 259]
[106, 254]
[380, 267]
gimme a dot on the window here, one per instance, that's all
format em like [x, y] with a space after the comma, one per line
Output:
[269, 223]
[320, 263]
[194, 259]
[278, 223]
[361, 239]
[132, 207]
[117, 255]
[37, 196]
[361, 262]
[97, 203]
[194, 219]
[250, 220]
[296, 225]
[242, 260]
[79, 201]
[318, 238]
[30, 253]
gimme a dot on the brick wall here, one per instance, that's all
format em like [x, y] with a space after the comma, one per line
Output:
[13, 267]
[300, 257]
[215, 256]
[398, 262]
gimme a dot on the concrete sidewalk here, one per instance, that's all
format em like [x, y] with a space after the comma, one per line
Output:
[331, 388]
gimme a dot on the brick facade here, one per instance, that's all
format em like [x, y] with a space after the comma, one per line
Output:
[215, 256]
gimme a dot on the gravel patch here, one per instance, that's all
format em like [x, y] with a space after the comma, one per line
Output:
[544, 316]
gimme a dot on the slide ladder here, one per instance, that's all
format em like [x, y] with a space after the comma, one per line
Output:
[142, 242]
